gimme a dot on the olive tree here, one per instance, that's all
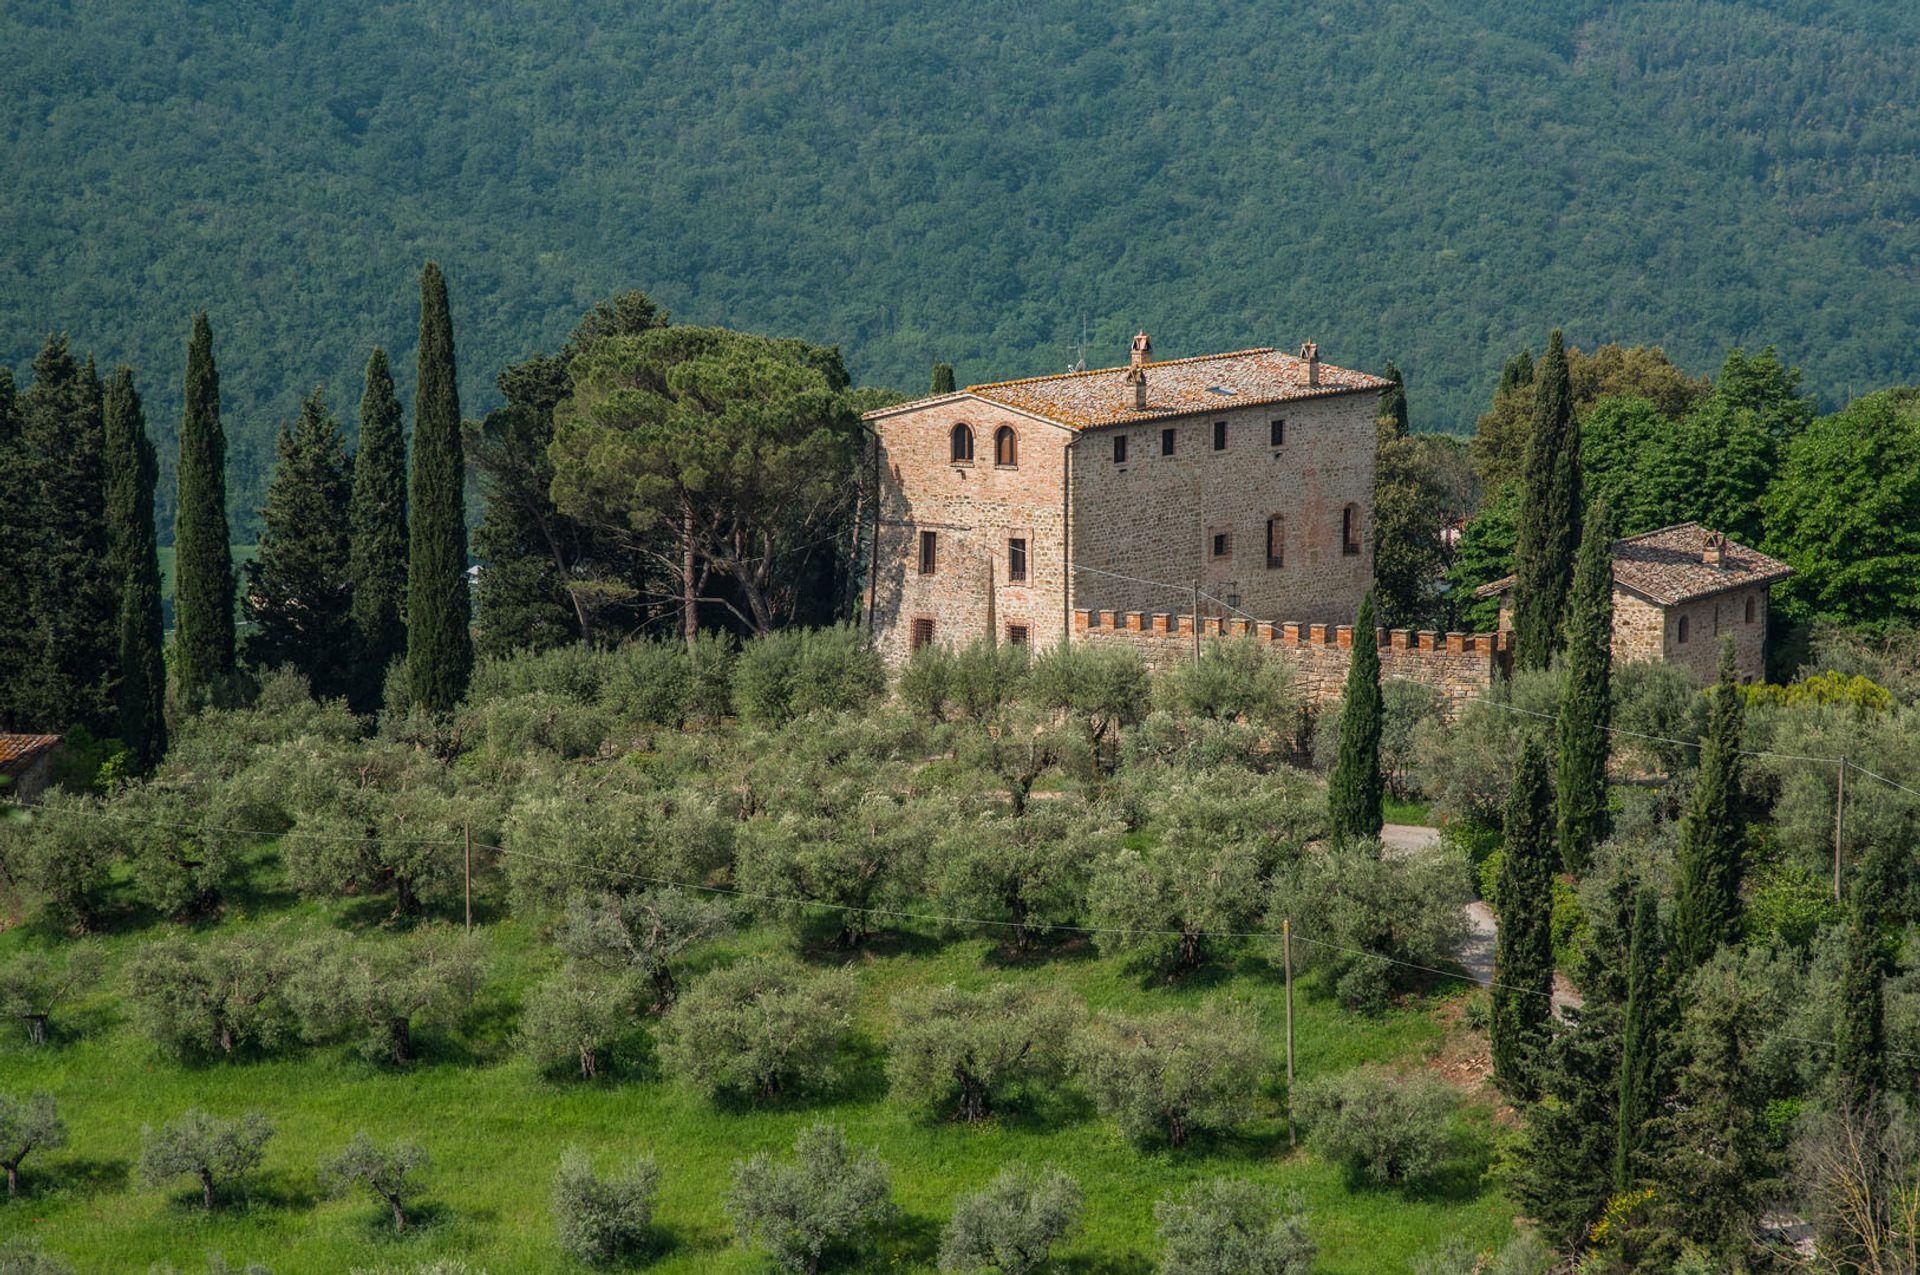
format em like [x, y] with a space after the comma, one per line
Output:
[1159, 902]
[186, 842]
[1164, 1076]
[27, 1125]
[34, 983]
[643, 934]
[759, 1028]
[387, 1173]
[575, 1018]
[1021, 874]
[598, 833]
[850, 845]
[1392, 1129]
[1012, 1224]
[1229, 1226]
[206, 1148]
[602, 1219]
[962, 1052]
[800, 1210]
[1098, 690]
[378, 991]
[57, 859]
[214, 999]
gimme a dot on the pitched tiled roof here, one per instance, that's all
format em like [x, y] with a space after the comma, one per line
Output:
[1176, 387]
[1670, 567]
[18, 752]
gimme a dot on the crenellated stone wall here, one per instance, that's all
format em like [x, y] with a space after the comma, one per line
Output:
[1459, 666]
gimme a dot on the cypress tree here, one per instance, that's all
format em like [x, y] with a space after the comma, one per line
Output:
[1586, 698]
[203, 556]
[439, 647]
[1516, 372]
[378, 517]
[942, 378]
[1706, 897]
[1355, 790]
[1549, 527]
[1639, 1078]
[132, 470]
[298, 592]
[73, 596]
[1392, 415]
[1523, 953]
[16, 538]
[1860, 1035]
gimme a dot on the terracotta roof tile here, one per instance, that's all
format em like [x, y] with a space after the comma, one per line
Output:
[17, 752]
[1670, 567]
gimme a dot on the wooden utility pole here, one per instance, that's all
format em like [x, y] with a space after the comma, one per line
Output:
[1196, 621]
[469, 831]
[1839, 809]
[1286, 950]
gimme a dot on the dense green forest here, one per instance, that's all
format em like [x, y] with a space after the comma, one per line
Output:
[1436, 184]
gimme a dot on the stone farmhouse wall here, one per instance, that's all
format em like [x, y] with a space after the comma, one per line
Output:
[1155, 516]
[1645, 630]
[1458, 666]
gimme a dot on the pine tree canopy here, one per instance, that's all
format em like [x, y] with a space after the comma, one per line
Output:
[1586, 698]
[377, 519]
[439, 645]
[203, 562]
[299, 593]
[132, 470]
[1712, 835]
[1523, 953]
[1550, 512]
[1356, 789]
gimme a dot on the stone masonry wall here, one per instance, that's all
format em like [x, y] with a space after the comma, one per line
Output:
[1155, 516]
[1711, 619]
[1459, 666]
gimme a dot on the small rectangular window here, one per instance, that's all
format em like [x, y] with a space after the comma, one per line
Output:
[1277, 433]
[922, 634]
[1219, 436]
[1276, 544]
[1017, 561]
[1119, 449]
[1166, 441]
[1222, 543]
[929, 552]
[1016, 635]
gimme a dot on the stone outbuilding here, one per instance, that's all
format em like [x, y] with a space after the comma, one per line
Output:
[1677, 592]
[26, 763]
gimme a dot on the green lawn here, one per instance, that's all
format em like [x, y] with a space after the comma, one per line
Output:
[495, 1128]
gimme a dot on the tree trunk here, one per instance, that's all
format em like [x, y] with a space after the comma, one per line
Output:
[399, 1216]
[1022, 933]
[689, 606]
[36, 1029]
[206, 1189]
[664, 988]
[405, 901]
[13, 1180]
[973, 1096]
[1177, 1129]
[400, 1041]
[1189, 950]
[589, 1063]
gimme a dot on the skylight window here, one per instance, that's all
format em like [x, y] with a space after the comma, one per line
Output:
[1221, 390]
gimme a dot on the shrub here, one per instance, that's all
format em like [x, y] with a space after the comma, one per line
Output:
[24, 1257]
[1012, 1224]
[573, 672]
[795, 672]
[1101, 690]
[26, 1126]
[962, 1052]
[759, 1028]
[842, 842]
[1392, 1129]
[927, 681]
[985, 678]
[575, 1018]
[33, 984]
[1168, 1075]
[1411, 714]
[651, 682]
[1227, 1226]
[643, 934]
[609, 839]
[186, 843]
[386, 1172]
[538, 721]
[1790, 903]
[800, 1210]
[1235, 679]
[600, 1219]
[208, 1149]
[378, 990]
[216, 999]
[1157, 902]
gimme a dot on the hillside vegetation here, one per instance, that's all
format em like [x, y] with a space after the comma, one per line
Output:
[1432, 183]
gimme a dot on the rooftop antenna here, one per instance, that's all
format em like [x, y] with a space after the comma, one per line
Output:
[1080, 364]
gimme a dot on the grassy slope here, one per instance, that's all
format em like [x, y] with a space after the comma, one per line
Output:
[495, 1128]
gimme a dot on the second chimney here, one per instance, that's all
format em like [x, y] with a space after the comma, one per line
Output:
[1311, 353]
[1138, 357]
[1714, 554]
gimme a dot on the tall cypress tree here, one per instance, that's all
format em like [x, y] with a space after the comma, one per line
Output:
[1355, 790]
[203, 556]
[73, 596]
[378, 556]
[1392, 415]
[16, 539]
[1550, 512]
[1516, 372]
[299, 595]
[1523, 953]
[132, 470]
[1706, 898]
[1860, 1035]
[1586, 698]
[942, 378]
[1640, 1089]
[439, 647]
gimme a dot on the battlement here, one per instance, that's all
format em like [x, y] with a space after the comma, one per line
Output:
[1459, 666]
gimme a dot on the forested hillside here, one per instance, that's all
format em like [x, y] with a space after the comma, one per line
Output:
[1432, 183]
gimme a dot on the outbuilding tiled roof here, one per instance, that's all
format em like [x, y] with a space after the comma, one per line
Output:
[1671, 566]
[1175, 387]
[18, 752]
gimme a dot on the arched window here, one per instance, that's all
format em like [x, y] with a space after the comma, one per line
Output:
[963, 444]
[1750, 608]
[1350, 529]
[1276, 542]
[1005, 450]
[1681, 636]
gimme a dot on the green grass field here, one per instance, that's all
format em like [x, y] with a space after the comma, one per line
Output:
[495, 1127]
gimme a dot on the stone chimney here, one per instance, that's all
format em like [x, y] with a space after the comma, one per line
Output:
[1311, 353]
[1138, 357]
[1714, 554]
